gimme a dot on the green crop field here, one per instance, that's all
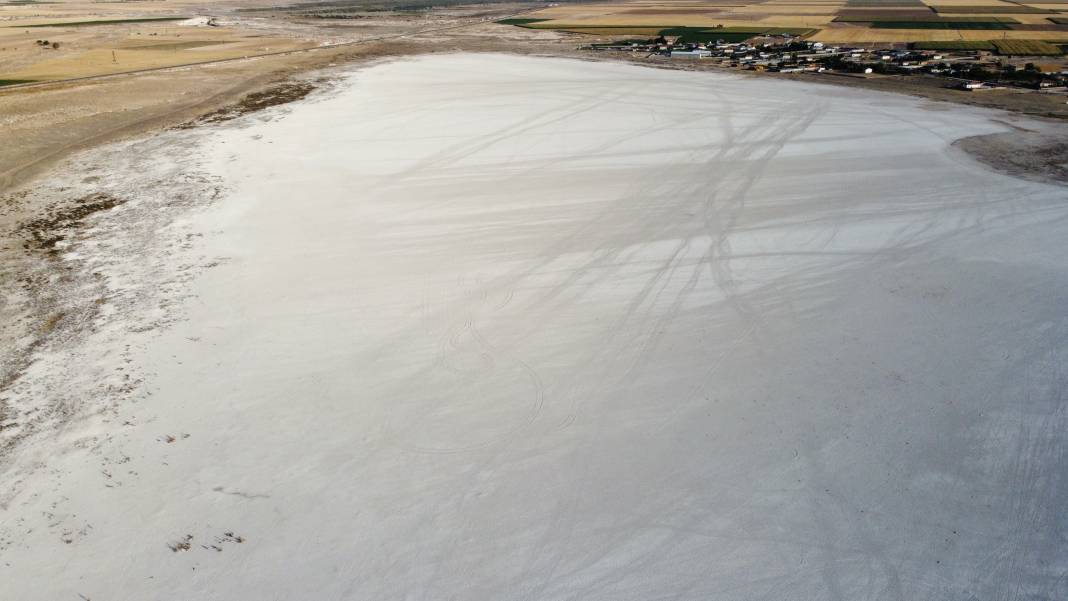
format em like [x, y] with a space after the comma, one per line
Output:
[13, 82]
[1026, 48]
[954, 45]
[104, 22]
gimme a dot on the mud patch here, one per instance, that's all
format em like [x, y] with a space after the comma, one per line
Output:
[45, 233]
[1040, 156]
[257, 101]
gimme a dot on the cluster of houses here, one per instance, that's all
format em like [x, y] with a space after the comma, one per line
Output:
[970, 70]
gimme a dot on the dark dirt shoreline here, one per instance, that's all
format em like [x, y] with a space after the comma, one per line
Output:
[1039, 156]
[280, 93]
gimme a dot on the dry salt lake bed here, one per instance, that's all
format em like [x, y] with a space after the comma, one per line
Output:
[487, 327]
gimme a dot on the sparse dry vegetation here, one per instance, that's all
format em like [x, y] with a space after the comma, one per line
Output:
[45, 233]
[256, 101]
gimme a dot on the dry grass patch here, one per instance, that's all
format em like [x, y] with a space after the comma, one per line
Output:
[811, 21]
[928, 18]
[673, 11]
[174, 46]
[99, 22]
[135, 53]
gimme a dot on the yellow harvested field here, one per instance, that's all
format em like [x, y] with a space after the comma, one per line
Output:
[52, 11]
[787, 13]
[75, 48]
[815, 14]
[1035, 19]
[675, 11]
[792, 10]
[862, 35]
[998, 3]
[815, 22]
[131, 55]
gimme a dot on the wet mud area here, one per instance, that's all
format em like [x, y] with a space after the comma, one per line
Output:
[46, 232]
[1037, 153]
[278, 94]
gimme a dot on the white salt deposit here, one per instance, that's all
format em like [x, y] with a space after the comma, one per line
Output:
[490, 327]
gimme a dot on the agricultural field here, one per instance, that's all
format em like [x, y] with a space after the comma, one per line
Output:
[955, 45]
[892, 36]
[1026, 48]
[958, 25]
[832, 21]
[99, 22]
[684, 34]
[76, 54]
[991, 10]
[64, 40]
[922, 19]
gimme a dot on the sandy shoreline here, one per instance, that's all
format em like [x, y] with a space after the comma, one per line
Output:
[569, 358]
